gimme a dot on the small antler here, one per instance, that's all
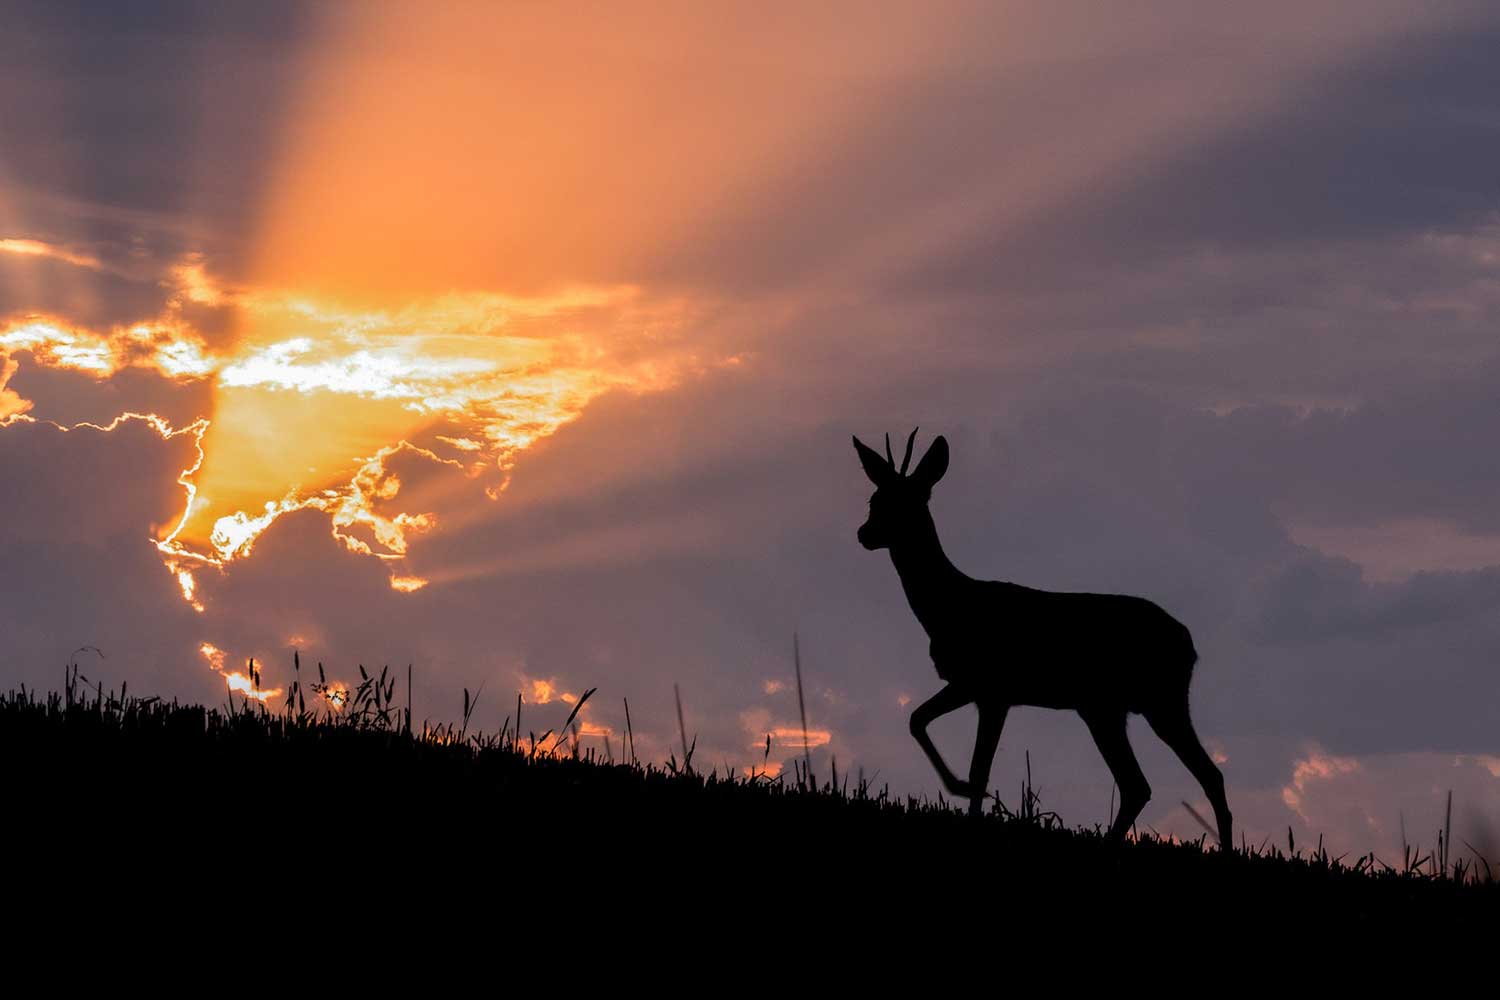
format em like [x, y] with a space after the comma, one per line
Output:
[888, 457]
[909, 442]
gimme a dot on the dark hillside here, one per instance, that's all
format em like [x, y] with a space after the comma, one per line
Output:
[139, 790]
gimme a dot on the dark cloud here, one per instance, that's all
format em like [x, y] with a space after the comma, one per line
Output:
[68, 397]
[78, 565]
[1401, 140]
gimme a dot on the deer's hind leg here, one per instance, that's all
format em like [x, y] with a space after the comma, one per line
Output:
[1108, 729]
[1175, 727]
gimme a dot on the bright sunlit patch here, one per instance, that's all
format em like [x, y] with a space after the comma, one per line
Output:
[233, 679]
[334, 694]
[182, 359]
[246, 686]
[395, 370]
[191, 282]
[189, 587]
[214, 655]
[54, 346]
[790, 737]
[165, 344]
[37, 248]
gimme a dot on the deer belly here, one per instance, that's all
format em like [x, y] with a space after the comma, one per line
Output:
[1035, 678]
[1074, 685]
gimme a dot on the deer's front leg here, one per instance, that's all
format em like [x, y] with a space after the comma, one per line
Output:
[945, 701]
[986, 742]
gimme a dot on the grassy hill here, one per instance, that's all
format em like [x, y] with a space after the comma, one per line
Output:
[361, 804]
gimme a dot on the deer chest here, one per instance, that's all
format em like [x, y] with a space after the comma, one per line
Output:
[949, 658]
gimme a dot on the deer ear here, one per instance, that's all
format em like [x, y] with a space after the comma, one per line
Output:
[876, 467]
[933, 464]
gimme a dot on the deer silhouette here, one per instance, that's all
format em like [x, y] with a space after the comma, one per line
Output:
[998, 645]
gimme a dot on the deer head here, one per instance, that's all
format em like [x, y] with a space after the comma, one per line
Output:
[899, 504]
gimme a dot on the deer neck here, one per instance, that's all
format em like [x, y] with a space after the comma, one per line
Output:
[927, 575]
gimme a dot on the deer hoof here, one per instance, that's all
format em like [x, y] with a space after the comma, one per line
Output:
[959, 789]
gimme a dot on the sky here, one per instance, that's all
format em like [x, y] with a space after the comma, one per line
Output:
[524, 345]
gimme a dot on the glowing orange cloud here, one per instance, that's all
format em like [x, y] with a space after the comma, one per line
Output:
[54, 346]
[546, 691]
[496, 373]
[1317, 766]
[311, 384]
[165, 345]
[791, 737]
[11, 403]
